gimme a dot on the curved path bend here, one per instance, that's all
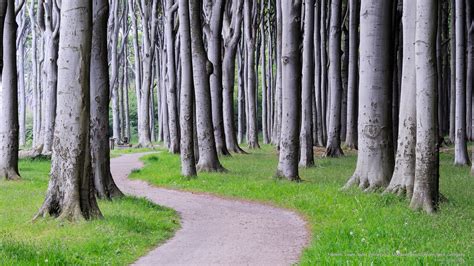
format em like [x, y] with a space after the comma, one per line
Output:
[216, 231]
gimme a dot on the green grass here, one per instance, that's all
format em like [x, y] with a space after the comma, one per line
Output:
[347, 227]
[131, 227]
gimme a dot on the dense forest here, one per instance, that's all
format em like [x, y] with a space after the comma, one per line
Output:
[390, 79]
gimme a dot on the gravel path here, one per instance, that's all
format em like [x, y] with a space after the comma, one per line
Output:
[217, 231]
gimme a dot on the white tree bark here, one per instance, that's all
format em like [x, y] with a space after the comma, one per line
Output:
[425, 193]
[291, 90]
[70, 193]
[404, 174]
[376, 156]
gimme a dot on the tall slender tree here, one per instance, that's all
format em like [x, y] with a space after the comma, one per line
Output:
[202, 69]
[291, 90]
[426, 187]
[104, 184]
[9, 128]
[188, 161]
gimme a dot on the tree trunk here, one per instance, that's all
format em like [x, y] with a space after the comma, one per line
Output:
[460, 150]
[188, 161]
[9, 142]
[291, 93]
[452, 105]
[425, 193]
[250, 29]
[277, 123]
[202, 69]
[376, 156]
[318, 76]
[70, 193]
[172, 96]
[104, 184]
[232, 34]
[353, 79]
[333, 148]
[404, 174]
[306, 135]
[324, 69]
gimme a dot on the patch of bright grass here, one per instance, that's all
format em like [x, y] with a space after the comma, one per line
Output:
[347, 227]
[131, 227]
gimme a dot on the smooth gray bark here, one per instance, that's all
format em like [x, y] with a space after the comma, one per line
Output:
[104, 184]
[376, 156]
[188, 161]
[9, 128]
[307, 96]
[333, 148]
[231, 33]
[291, 90]
[404, 174]
[353, 78]
[426, 188]
[202, 69]
[70, 193]
[461, 156]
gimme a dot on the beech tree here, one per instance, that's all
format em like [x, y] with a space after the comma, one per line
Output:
[188, 161]
[404, 174]
[426, 187]
[70, 194]
[104, 184]
[375, 159]
[202, 69]
[291, 90]
[9, 128]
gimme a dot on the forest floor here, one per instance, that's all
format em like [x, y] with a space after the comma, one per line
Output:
[217, 231]
[349, 227]
[130, 228]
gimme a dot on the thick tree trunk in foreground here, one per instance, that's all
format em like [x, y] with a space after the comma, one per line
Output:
[291, 90]
[306, 136]
[104, 184]
[188, 160]
[9, 128]
[376, 156]
[426, 189]
[202, 69]
[353, 79]
[404, 174]
[70, 193]
[231, 35]
[460, 150]
[333, 148]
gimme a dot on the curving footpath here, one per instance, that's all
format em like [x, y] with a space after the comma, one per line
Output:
[217, 231]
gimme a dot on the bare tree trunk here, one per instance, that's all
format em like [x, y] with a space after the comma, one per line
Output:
[21, 40]
[353, 79]
[48, 16]
[9, 142]
[452, 110]
[306, 136]
[324, 69]
[425, 193]
[70, 193]
[291, 93]
[202, 69]
[232, 34]
[318, 76]
[277, 123]
[460, 150]
[172, 97]
[241, 119]
[333, 148]
[404, 174]
[188, 161]
[250, 29]
[104, 184]
[376, 157]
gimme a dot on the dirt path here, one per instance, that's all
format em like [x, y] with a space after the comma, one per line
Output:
[217, 231]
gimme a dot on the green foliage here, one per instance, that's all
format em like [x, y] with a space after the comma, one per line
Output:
[349, 228]
[131, 227]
